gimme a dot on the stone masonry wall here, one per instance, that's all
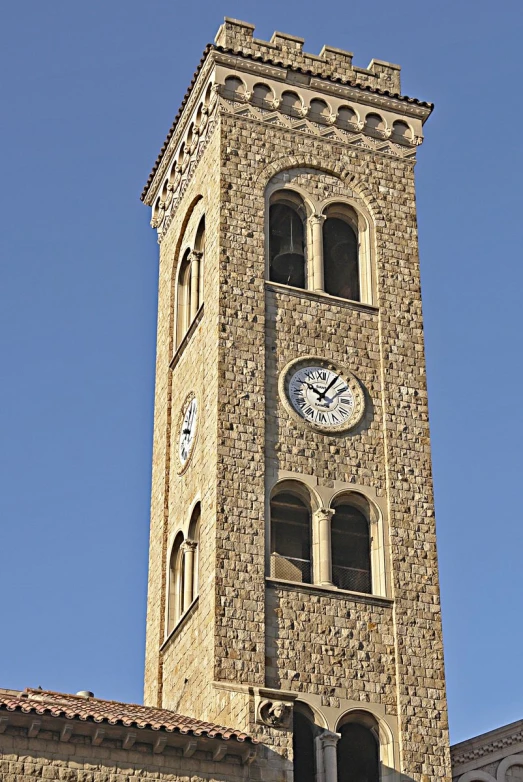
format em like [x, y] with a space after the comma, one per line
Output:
[180, 675]
[46, 758]
[390, 451]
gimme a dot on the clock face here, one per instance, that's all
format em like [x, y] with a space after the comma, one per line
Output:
[188, 429]
[321, 394]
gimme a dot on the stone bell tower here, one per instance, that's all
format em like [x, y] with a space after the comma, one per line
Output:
[293, 581]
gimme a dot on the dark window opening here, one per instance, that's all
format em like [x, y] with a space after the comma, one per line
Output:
[340, 259]
[350, 549]
[286, 253]
[358, 754]
[290, 538]
[303, 748]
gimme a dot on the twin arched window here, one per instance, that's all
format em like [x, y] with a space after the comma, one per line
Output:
[330, 546]
[321, 252]
[183, 571]
[189, 294]
[350, 755]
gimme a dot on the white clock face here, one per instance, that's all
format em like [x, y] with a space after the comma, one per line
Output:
[318, 392]
[188, 431]
[321, 396]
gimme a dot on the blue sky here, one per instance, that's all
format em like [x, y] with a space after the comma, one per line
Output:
[90, 92]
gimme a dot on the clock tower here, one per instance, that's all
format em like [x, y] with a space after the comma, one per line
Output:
[293, 581]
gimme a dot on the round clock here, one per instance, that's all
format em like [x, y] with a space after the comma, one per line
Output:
[189, 414]
[322, 394]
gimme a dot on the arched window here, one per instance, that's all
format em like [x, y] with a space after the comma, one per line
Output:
[291, 103]
[176, 584]
[262, 94]
[183, 298]
[190, 284]
[358, 751]
[199, 247]
[350, 546]
[318, 110]
[340, 253]
[234, 86]
[194, 539]
[286, 240]
[303, 733]
[401, 132]
[375, 125]
[290, 538]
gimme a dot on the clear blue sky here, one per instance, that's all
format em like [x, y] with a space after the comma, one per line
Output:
[90, 90]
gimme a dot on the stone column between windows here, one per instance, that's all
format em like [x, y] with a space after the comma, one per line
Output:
[188, 548]
[316, 222]
[326, 758]
[194, 296]
[321, 546]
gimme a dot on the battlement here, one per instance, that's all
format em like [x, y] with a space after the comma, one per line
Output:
[288, 49]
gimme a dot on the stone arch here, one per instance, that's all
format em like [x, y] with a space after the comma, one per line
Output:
[378, 726]
[506, 763]
[301, 489]
[314, 714]
[339, 169]
[291, 506]
[378, 559]
[477, 776]
[189, 228]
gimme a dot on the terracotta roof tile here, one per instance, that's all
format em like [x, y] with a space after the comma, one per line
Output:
[278, 63]
[57, 704]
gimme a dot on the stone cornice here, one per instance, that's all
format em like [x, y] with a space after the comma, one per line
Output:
[487, 744]
[353, 92]
[280, 70]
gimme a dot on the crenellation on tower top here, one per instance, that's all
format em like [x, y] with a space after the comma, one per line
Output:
[330, 62]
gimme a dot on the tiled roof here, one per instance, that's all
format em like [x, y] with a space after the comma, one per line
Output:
[57, 704]
[279, 63]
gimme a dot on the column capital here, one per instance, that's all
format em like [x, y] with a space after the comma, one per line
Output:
[324, 514]
[317, 219]
[195, 255]
[189, 545]
[328, 738]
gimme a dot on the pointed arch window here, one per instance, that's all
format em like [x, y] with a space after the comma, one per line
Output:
[287, 264]
[351, 548]
[290, 537]
[340, 253]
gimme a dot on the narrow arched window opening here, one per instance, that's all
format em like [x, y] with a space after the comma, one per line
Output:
[351, 555]
[358, 754]
[199, 247]
[286, 242]
[183, 298]
[340, 255]
[303, 733]
[175, 605]
[194, 539]
[290, 538]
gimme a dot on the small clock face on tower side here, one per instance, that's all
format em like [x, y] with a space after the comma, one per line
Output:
[321, 394]
[188, 429]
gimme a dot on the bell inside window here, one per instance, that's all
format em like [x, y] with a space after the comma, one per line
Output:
[340, 258]
[286, 246]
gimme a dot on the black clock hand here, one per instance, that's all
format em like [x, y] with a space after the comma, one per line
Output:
[309, 385]
[322, 393]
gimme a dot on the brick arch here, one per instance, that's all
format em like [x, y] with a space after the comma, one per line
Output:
[338, 170]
